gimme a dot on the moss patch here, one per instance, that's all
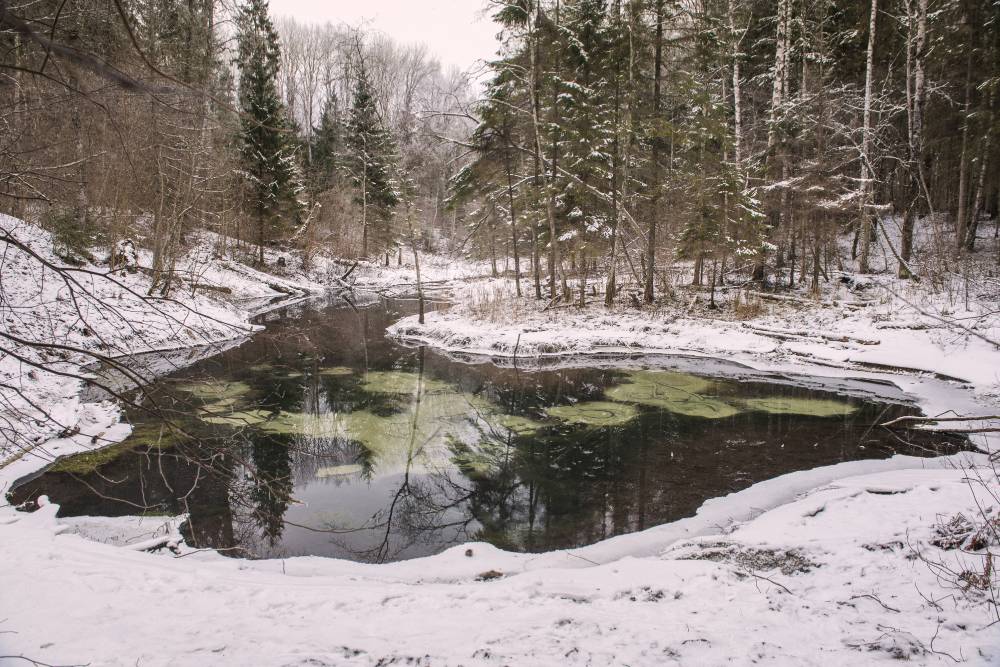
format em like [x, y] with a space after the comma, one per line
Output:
[809, 407]
[594, 413]
[143, 435]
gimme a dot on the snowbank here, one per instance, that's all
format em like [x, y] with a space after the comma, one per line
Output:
[833, 578]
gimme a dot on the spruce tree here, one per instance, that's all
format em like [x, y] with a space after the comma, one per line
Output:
[369, 161]
[327, 143]
[267, 141]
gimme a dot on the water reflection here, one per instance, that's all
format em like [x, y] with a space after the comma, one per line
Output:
[320, 436]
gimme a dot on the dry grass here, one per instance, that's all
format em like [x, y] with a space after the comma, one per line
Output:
[496, 302]
[747, 307]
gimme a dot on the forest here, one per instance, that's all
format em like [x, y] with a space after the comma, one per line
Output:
[607, 140]
[644, 332]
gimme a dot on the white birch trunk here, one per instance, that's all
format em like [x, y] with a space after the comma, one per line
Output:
[866, 143]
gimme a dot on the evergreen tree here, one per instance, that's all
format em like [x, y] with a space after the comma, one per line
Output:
[327, 142]
[586, 105]
[266, 136]
[369, 159]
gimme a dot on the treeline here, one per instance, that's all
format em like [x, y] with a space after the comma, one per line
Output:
[145, 120]
[745, 136]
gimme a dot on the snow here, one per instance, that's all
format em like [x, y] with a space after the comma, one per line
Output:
[437, 273]
[93, 314]
[832, 566]
[833, 578]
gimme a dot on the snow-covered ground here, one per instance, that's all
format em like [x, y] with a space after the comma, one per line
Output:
[876, 326]
[842, 565]
[841, 576]
[437, 274]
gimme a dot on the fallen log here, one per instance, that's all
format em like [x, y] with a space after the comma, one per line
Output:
[789, 334]
[349, 271]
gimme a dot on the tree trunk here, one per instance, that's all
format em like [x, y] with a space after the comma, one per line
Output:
[867, 174]
[962, 206]
[977, 200]
[779, 84]
[513, 224]
[416, 265]
[650, 267]
[364, 211]
[550, 194]
[915, 46]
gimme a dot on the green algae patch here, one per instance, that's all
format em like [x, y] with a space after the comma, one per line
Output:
[401, 382]
[397, 436]
[693, 405]
[221, 406]
[236, 419]
[594, 413]
[517, 424]
[300, 424]
[807, 407]
[215, 391]
[87, 462]
[653, 387]
[482, 461]
[678, 393]
[658, 389]
[704, 407]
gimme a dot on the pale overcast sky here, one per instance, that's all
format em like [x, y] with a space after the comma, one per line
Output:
[457, 31]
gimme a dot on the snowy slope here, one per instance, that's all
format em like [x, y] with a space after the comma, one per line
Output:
[90, 314]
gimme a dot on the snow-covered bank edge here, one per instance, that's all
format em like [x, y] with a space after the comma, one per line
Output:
[730, 349]
[47, 409]
[833, 577]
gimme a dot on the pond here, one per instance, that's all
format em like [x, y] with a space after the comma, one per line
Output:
[320, 436]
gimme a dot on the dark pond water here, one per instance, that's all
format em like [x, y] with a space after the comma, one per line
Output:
[320, 436]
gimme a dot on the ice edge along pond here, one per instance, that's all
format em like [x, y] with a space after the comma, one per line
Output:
[322, 436]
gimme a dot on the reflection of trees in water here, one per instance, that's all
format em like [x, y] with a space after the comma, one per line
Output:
[420, 507]
[502, 489]
[271, 487]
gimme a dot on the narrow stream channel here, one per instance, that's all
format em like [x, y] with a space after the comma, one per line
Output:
[320, 436]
